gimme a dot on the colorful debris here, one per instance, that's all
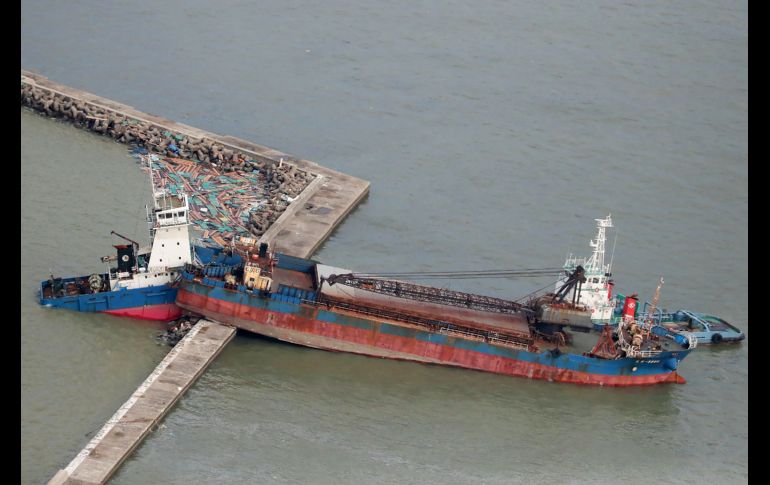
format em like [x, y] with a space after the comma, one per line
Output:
[222, 206]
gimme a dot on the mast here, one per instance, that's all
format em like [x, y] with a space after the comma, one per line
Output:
[612, 257]
[596, 262]
[653, 306]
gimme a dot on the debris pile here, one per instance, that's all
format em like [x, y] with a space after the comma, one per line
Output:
[222, 206]
[176, 330]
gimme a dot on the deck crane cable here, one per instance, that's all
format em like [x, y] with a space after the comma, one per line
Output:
[572, 279]
[534, 293]
[520, 273]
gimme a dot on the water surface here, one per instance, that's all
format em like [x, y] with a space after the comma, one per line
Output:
[493, 134]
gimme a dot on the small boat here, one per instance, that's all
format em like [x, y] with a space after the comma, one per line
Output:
[707, 329]
[304, 302]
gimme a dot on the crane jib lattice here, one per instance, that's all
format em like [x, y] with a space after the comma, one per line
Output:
[430, 294]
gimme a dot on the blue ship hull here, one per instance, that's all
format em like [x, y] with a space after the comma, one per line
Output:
[148, 303]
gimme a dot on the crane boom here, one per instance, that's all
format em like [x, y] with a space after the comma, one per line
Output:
[653, 306]
[430, 294]
[127, 239]
[575, 281]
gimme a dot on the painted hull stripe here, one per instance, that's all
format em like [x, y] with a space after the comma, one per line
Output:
[165, 312]
[302, 328]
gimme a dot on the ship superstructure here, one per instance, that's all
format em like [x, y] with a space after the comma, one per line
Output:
[596, 292]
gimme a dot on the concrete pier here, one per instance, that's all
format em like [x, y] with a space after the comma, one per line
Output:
[324, 197]
[104, 454]
[299, 230]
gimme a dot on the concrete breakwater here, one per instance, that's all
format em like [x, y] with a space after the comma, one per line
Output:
[305, 203]
[296, 218]
[281, 181]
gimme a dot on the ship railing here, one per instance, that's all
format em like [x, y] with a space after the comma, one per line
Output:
[483, 336]
[466, 332]
[509, 342]
[656, 316]
[634, 352]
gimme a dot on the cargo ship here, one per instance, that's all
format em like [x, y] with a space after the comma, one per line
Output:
[304, 302]
[141, 284]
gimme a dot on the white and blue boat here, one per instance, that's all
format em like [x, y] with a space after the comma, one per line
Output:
[141, 284]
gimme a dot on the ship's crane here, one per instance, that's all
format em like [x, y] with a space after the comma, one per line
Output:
[431, 294]
[653, 307]
[136, 244]
[107, 259]
[127, 260]
[575, 280]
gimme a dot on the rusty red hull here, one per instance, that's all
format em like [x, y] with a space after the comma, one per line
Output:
[326, 329]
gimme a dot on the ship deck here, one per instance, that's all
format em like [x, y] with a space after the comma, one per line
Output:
[485, 321]
[518, 338]
[518, 330]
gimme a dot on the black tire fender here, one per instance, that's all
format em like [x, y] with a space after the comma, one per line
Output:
[716, 338]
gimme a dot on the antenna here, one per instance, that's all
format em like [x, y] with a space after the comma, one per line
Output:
[612, 257]
[596, 262]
